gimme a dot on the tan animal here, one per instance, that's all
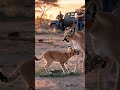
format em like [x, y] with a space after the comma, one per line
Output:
[61, 57]
[105, 33]
[78, 40]
[26, 70]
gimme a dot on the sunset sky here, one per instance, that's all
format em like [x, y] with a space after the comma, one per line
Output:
[65, 6]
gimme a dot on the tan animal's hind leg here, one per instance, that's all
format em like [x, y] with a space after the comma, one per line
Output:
[47, 66]
[77, 62]
[105, 75]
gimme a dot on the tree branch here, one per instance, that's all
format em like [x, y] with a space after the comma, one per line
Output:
[48, 8]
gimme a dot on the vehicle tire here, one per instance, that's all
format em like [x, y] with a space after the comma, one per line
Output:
[54, 27]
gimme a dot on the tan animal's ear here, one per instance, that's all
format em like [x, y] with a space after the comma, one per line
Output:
[105, 18]
[72, 30]
[66, 28]
[69, 47]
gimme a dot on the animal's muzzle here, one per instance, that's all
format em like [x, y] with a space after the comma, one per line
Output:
[78, 52]
[65, 39]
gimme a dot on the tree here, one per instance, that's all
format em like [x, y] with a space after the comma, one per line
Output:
[45, 5]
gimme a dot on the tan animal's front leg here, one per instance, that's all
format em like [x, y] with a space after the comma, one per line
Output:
[76, 64]
[67, 68]
[83, 65]
[63, 68]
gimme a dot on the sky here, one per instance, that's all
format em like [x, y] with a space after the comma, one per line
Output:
[65, 6]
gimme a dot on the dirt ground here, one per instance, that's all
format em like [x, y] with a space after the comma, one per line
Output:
[46, 42]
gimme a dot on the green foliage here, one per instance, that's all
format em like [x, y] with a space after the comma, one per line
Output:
[55, 73]
[45, 5]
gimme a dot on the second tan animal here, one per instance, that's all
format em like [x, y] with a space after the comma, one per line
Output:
[61, 57]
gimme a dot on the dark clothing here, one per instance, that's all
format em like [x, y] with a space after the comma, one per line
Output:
[60, 25]
[60, 17]
[80, 24]
[79, 18]
[60, 21]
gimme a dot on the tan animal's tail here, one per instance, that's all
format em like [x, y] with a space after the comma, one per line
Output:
[36, 58]
[40, 57]
[8, 79]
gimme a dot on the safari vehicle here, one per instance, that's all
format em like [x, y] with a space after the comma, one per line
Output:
[68, 21]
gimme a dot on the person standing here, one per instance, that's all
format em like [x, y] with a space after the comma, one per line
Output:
[60, 20]
[80, 16]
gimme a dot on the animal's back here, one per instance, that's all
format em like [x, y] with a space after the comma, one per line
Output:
[54, 55]
[79, 40]
[28, 68]
[105, 34]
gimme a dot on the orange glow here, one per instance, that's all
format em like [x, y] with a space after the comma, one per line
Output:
[65, 6]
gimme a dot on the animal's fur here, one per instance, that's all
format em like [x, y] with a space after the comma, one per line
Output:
[25, 70]
[101, 26]
[61, 57]
[105, 34]
[78, 40]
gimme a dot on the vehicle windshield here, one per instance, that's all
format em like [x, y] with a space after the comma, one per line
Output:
[70, 15]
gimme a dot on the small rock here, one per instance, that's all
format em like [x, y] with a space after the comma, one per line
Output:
[66, 85]
[40, 40]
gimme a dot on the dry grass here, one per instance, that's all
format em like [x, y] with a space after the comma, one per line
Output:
[54, 73]
[48, 31]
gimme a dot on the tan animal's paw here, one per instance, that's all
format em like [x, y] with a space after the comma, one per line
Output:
[49, 72]
[68, 72]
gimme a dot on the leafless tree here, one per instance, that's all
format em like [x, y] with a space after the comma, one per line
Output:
[45, 5]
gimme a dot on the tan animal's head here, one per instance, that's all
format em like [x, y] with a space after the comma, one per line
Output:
[104, 22]
[72, 51]
[105, 33]
[68, 34]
